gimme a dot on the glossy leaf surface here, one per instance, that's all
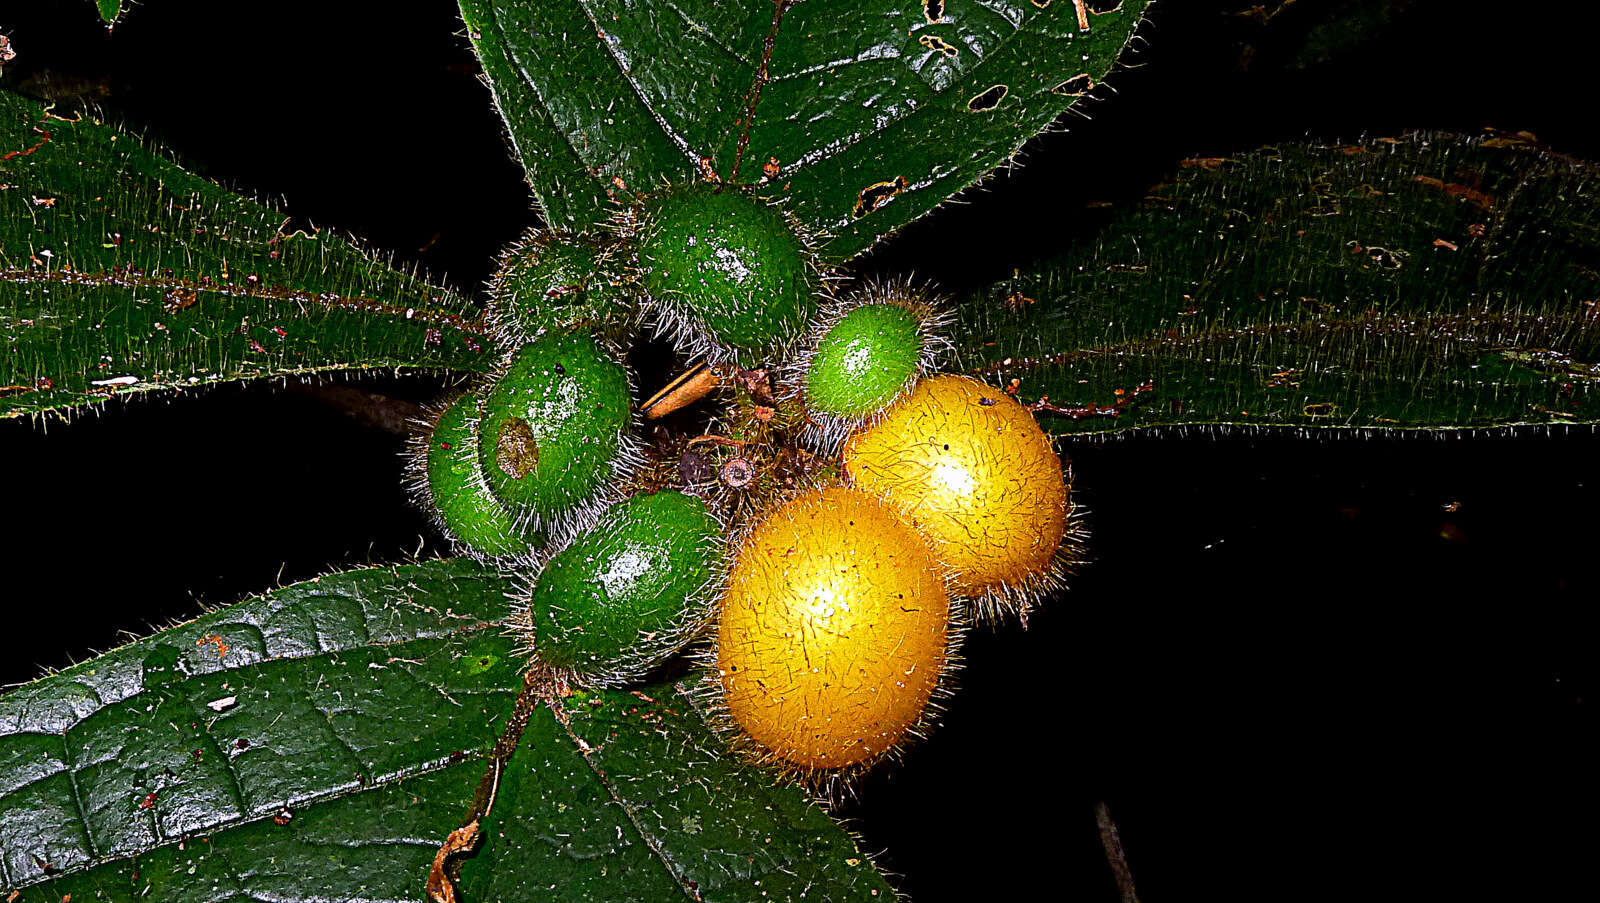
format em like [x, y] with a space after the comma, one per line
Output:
[871, 112]
[316, 742]
[121, 273]
[638, 800]
[1422, 282]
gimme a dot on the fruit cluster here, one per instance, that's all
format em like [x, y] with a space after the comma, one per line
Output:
[830, 531]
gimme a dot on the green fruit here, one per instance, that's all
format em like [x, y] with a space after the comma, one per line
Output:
[864, 361]
[731, 275]
[466, 510]
[552, 280]
[630, 591]
[554, 425]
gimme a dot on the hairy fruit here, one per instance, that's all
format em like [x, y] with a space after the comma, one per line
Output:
[863, 361]
[628, 592]
[554, 426]
[972, 471]
[729, 273]
[833, 632]
[454, 490]
[554, 280]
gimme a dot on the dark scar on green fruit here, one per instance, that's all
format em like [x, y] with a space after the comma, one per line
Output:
[519, 450]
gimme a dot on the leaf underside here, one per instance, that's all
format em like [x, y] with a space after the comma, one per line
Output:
[122, 273]
[322, 741]
[873, 111]
[1425, 282]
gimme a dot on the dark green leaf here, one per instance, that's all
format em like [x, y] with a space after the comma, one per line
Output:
[876, 110]
[109, 10]
[639, 801]
[356, 709]
[122, 273]
[1423, 282]
[322, 741]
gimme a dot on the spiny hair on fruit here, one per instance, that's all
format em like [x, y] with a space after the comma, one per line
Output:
[446, 481]
[862, 353]
[623, 595]
[972, 470]
[835, 639]
[554, 279]
[726, 275]
[557, 433]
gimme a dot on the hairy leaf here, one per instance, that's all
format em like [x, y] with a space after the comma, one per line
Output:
[871, 112]
[316, 742]
[639, 801]
[122, 273]
[1423, 282]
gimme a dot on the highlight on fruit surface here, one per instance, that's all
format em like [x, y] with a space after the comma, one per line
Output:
[863, 353]
[729, 275]
[554, 280]
[554, 430]
[973, 472]
[629, 591]
[834, 635]
[444, 473]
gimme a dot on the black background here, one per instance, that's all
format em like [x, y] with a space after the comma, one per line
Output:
[1287, 666]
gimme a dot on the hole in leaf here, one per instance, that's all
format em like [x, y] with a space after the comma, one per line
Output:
[877, 194]
[1076, 86]
[988, 100]
[934, 42]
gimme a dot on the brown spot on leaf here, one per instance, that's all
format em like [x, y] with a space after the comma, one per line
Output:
[1016, 301]
[1466, 192]
[179, 298]
[213, 639]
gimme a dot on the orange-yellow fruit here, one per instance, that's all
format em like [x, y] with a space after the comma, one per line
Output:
[833, 632]
[973, 472]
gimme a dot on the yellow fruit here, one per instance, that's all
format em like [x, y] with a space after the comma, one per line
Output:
[833, 633]
[972, 470]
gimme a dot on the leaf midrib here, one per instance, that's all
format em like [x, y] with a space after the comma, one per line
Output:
[654, 843]
[693, 156]
[329, 300]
